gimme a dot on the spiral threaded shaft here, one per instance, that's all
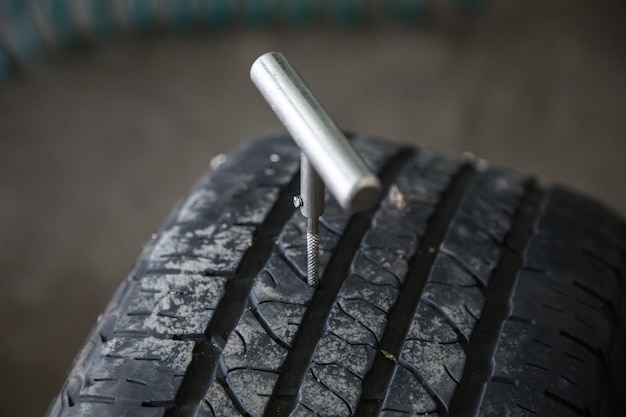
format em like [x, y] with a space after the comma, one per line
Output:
[312, 252]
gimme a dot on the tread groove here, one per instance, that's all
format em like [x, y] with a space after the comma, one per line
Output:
[206, 354]
[379, 376]
[497, 309]
[577, 340]
[463, 338]
[480, 282]
[562, 401]
[528, 410]
[295, 366]
[335, 393]
[253, 305]
[388, 270]
[221, 378]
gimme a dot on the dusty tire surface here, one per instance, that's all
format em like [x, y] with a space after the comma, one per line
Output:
[468, 290]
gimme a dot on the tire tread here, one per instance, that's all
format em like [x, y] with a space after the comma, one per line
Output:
[428, 303]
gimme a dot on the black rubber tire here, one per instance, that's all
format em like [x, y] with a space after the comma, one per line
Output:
[467, 291]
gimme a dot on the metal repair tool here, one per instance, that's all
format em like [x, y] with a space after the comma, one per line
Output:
[327, 156]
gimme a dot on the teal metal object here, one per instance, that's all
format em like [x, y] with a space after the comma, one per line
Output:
[261, 13]
[140, 15]
[101, 18]
[350, 13]
[69, 26]
[304, 13]
[220, 13]
[405, 11]
[181, 15]
[26, 42]
[10, 7]
[63, 25]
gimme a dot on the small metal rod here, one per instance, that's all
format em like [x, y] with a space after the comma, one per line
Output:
[312, 207]
[326, 152]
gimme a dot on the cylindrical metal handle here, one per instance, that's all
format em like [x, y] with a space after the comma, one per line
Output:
[345, 174]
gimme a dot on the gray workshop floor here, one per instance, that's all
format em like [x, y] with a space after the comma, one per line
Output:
[96, 147]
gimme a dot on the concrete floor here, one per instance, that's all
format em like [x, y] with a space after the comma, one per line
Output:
[97, 146]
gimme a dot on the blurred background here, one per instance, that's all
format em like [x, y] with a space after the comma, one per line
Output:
[109, 113]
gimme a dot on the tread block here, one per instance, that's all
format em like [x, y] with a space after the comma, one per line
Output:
[172, 305]
[217, 404]
[257, 381]
[250, 343]
[407, 395]
[321, 398]
[332, 350]
[140, 370]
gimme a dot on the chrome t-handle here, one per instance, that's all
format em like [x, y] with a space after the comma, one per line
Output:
[326, 151]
